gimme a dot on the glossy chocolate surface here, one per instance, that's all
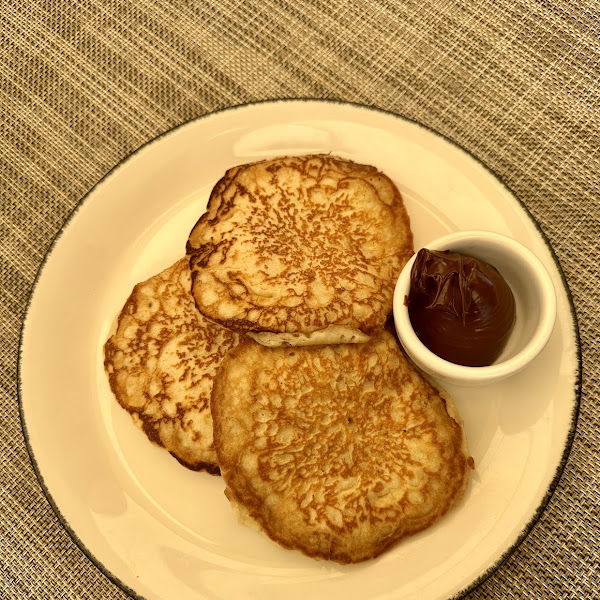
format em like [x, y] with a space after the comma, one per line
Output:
[460, 307]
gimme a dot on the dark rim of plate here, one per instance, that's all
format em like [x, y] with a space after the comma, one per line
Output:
[574, 416]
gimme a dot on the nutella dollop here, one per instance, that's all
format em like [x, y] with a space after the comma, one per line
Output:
[460, 307]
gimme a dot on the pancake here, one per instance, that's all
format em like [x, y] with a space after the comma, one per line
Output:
[161, 362]
[337, 451]
[300, 250]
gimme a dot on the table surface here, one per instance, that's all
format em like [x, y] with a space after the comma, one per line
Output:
[85, 83]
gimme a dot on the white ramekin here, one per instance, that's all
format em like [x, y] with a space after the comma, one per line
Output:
[535, 308]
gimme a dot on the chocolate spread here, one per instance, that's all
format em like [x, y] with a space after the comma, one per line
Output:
[460, 307]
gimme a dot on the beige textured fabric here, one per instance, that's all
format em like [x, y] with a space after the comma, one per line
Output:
[84, 83]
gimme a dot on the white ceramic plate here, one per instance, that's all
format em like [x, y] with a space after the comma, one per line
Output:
[161, 531]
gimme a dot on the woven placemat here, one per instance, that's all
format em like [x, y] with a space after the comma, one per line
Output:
[84, 83]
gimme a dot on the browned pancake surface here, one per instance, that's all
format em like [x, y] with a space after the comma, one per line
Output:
[337, 451]
[161, 363]
[300, 250]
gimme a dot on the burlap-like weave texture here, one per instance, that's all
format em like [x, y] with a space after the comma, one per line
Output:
[84, 83]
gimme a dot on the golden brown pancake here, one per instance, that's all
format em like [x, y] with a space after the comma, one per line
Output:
[337, 451]
[161, 363]
[300, 250]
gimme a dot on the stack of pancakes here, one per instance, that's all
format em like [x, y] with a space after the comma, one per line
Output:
[264, 355]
